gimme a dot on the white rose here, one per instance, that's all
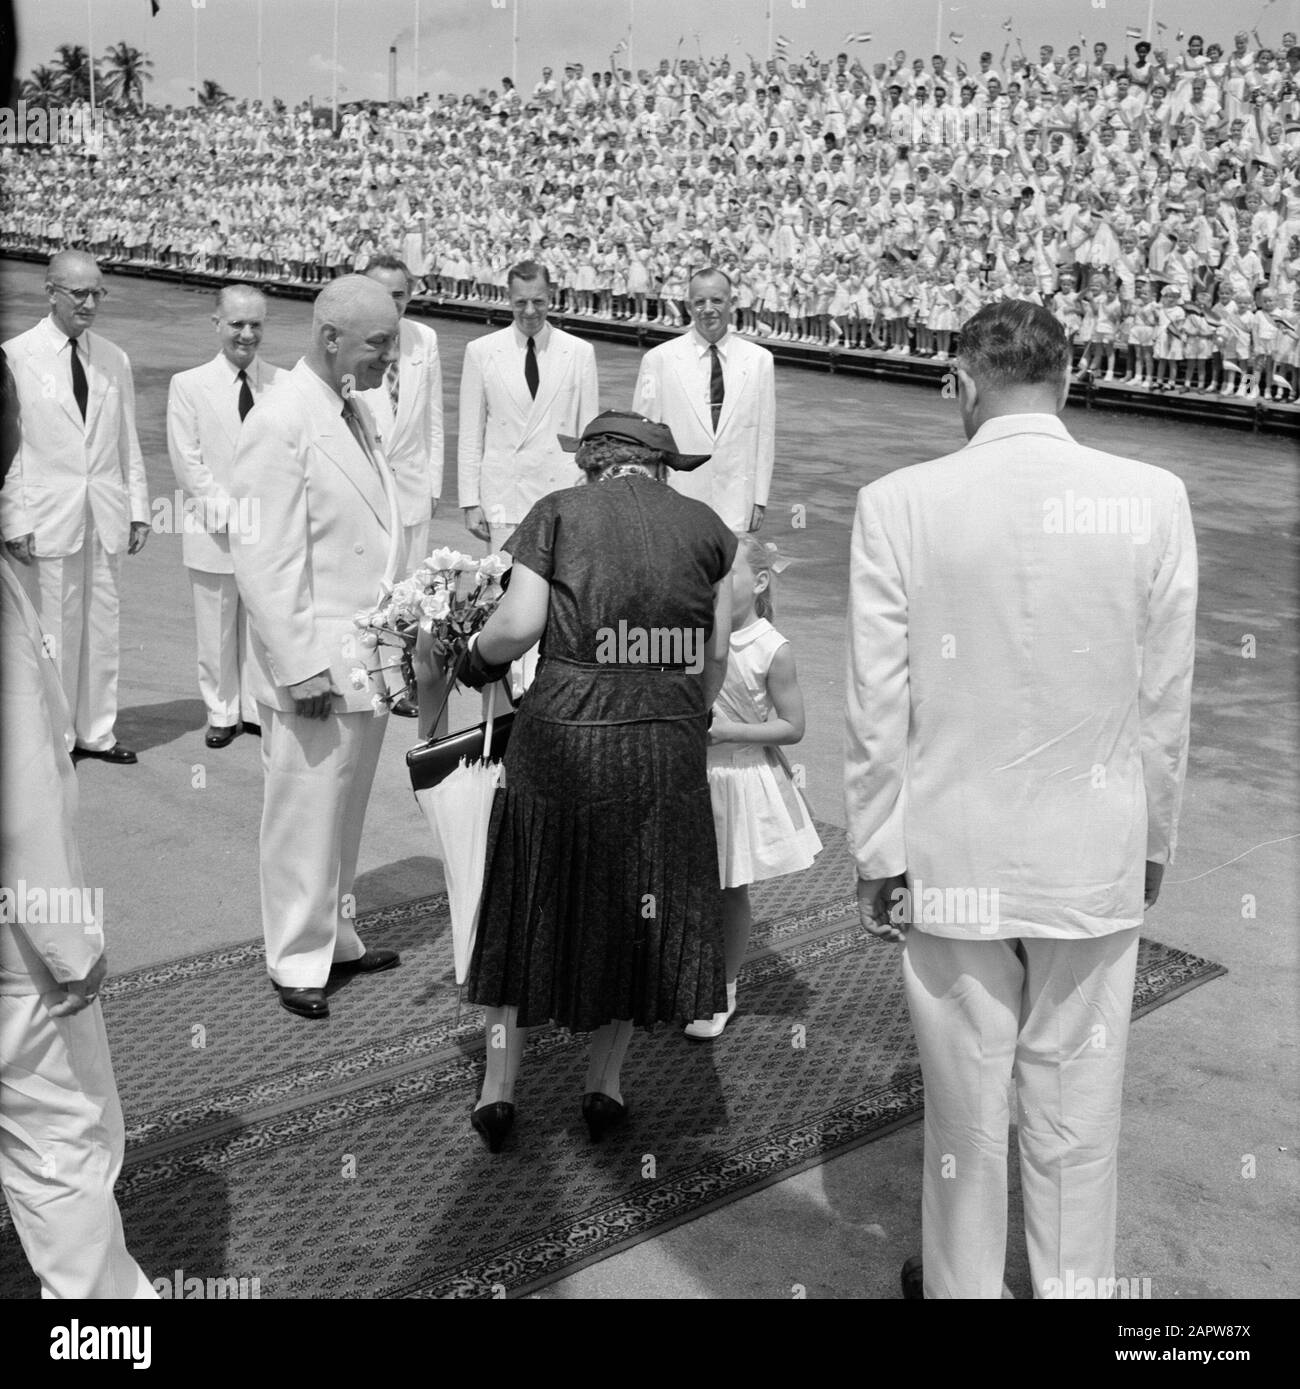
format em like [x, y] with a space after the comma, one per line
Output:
[494, 565]
[443, 558]
[436, 606]
[360, 677]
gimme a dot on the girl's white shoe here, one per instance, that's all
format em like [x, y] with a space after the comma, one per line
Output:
[706, 1029]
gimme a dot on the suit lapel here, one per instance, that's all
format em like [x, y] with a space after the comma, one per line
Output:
[225, 403]
[48, 365]
[512, 373]
[684, 360]
[409, 367]
[341, 448]
[97, 379]
[559, 357]
[736, 372]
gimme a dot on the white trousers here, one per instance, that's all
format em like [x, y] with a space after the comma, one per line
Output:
[318, 774]
[221, 627]
[416, 540]
[1052, 1016]
[61, 1146]
[76, 599]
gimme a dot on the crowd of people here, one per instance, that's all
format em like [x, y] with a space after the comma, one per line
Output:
[1150, 200]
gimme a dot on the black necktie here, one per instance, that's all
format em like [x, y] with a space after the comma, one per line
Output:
[79, 387]
[716, 391]
[530, 368]
[245, 396]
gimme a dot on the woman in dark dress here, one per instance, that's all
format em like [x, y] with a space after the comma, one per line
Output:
[601, 908]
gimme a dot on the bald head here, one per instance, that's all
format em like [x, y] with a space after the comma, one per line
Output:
[75, 289]
[354, 334]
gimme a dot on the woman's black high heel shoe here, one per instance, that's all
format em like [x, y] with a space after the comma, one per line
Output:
[493, 1122]
[602, 1114]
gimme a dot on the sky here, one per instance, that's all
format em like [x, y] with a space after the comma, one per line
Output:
[467, 45]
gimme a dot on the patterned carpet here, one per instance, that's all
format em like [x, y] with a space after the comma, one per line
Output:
[336, 1159]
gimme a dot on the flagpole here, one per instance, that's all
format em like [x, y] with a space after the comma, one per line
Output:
[194, 9]
[631, 21]
[514, 49]
[334, 72]
[1151, 21]
[415, 53]
[259, 51]
[769, 30]
[90, 56]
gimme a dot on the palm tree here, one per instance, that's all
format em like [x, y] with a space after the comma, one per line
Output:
[74, 71]
[44, 87]
[212, 95]
[128, 71]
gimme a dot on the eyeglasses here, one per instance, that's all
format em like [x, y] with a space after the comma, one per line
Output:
[82, 296]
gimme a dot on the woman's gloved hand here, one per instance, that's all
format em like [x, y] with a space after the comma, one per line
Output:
[474, 671]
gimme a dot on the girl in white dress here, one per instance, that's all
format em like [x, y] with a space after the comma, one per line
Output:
[763, 825]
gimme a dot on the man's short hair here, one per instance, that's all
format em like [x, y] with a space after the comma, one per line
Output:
[529, 270]
[1014, 343]
[710, 270]
[237, 288]
[387, 261]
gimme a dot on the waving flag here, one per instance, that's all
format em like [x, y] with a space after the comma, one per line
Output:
[955, 36]
[1132, 32]
[782, 42]
[1006, 24]
[857, 38]
[153, 8]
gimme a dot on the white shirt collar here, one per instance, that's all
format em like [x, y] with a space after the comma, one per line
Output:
[702, 347]
[540, 339]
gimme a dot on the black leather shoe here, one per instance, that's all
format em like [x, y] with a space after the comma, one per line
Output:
[220, 737]
[912, 1280]
[602, 1114]
[493, 1123]
[307, 1003]
[254, 730]
[117, 753]
[370, 963]
[404, 709]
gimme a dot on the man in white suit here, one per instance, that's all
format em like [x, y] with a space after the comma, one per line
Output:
[77, 496]
[520, 388]
[716, 391]
[61, 1133]
[328, 536]
[206, 407]
[407, 410]
[1020, 638]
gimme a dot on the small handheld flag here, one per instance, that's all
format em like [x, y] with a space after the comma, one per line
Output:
[955, 36]
[1132, 32]
[857, 38]
[1006, 24]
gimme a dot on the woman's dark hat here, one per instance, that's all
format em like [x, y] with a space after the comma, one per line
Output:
[636, 429]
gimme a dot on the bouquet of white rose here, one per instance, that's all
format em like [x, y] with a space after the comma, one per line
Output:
[448, 598]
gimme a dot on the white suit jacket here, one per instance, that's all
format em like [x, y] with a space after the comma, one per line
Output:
[38, 808]
[325, 535]
[1020, 640]
[508, 456]
[413, 442]
[672, 388]
[64, 463]
[203, 427]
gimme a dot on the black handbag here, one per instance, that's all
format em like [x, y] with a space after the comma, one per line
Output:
[433, 761]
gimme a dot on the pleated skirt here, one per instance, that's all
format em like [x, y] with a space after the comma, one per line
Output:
[601, 899]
